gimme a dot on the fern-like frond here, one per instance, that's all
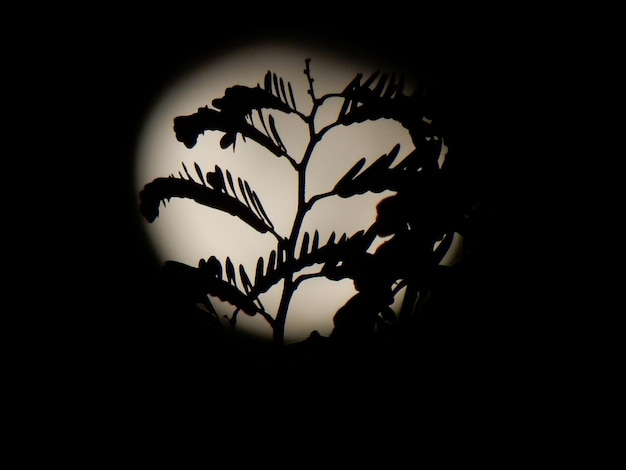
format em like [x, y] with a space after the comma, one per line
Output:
[310, 254]
[376, 178]
[381, 176]
[163, 189]
[381, 95]
[275, 85]
[204, 280]
[231, 122]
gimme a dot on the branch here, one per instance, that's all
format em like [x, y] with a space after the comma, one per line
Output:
[309, 204]
[304, 277]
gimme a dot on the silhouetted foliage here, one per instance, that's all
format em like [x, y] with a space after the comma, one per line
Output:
[419, 219]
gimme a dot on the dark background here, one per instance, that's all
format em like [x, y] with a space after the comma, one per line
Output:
[503, 370]
[113, 327]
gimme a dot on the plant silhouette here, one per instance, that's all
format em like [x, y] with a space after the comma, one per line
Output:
[418, 221]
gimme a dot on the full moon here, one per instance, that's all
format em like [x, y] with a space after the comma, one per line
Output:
[186, 231]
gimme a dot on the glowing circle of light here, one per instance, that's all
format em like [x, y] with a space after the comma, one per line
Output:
[187, 232]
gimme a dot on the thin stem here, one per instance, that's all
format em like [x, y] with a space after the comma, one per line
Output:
[290, 285]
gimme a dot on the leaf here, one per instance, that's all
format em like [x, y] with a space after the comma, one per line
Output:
[293, 99]
[227, 140]
[249, 193]
[199, 172]
[259, 270]
[230, 272]
[305, 245]
[316, 241]
[275, 77]
[282, 89]
[230, 183]
[268, 81]
[255, 203]
[270, 262]
[346, 179]
[245, 280]
[216, 179]
[276, 134]
[187, 171]
[262, 119]
[243, 191]
[211, 267]
[331, 239]
[259, 206]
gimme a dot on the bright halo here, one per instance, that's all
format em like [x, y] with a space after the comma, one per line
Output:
[187, 232]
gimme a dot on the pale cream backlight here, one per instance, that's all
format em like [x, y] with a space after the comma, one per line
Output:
[186, 231]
